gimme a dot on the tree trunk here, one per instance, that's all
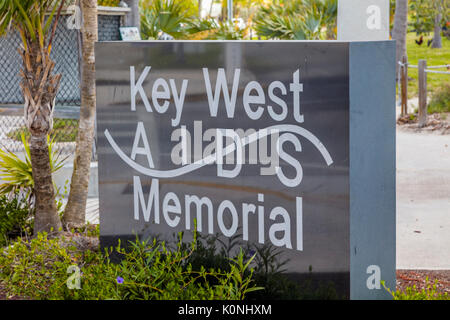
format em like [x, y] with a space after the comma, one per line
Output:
[75, 212]
[39, 88]
[437, 39]
[46, 216]
[400, 28]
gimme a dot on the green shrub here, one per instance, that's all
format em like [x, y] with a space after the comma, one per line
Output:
[16, 174]
[38, 270]
[166, 16]
[440, 101]
[15, 217]
[108, 3]
[412, 293]
[178, 19]
[268, 265]
[296, 20]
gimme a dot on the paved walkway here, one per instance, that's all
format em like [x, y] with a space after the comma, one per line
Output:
[423, 200]
[92, 215]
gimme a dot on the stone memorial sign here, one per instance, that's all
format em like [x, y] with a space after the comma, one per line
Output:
[283, 144]
[364, 20]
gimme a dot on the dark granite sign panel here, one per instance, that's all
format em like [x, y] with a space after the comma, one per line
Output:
[248, 141]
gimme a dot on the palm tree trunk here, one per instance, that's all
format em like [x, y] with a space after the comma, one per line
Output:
[46, 216]
[437, 39]
[400, 28]
[39, 88]
[75, 212]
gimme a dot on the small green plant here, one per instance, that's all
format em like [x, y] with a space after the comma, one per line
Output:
[108, 3]
[37, 269]
[14, 218]
[210, 29]
[59, 196]
[296, 20]
[164, 16]
[440, 101]
[213, 251]
[412, 293]
[17, 173]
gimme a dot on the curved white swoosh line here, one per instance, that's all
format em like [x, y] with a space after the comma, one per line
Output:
[212, 158]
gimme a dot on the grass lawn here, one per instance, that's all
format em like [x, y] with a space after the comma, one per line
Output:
[434, 57]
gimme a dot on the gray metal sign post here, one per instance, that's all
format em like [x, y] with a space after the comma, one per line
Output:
[363, 20]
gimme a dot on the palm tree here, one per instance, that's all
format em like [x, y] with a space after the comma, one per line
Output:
[75, 211]
[400, 28]
[36, 22]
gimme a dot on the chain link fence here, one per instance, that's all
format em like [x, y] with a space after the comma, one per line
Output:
[65, 53]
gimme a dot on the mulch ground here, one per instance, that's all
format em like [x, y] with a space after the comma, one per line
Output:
[436, 123]
[405, 278]
[418, 278]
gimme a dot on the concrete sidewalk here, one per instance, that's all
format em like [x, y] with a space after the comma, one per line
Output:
[423, 200]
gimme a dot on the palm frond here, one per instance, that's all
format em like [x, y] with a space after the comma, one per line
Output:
[17, 173]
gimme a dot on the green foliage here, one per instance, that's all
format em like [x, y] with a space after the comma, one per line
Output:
[108, 3]
[17, 173]
[37, 268]
[412, 293]
[166, 16]
[210, 29]
[269, 269]
[14, 218]
[226, 30]
[270, 274]
[177, 19]
[440, 101]
[32, 18]
[421, 20]
[423, 12]
[148, 270]
[296, 20]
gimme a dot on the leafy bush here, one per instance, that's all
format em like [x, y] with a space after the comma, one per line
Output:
[164, 16]
[440, 101]
[38, 270]
[14, 218]
[296, 20]
[17, 173]
[268, 265]
[178, 19]
[422, 15]
[108, 3]
[412, 293]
